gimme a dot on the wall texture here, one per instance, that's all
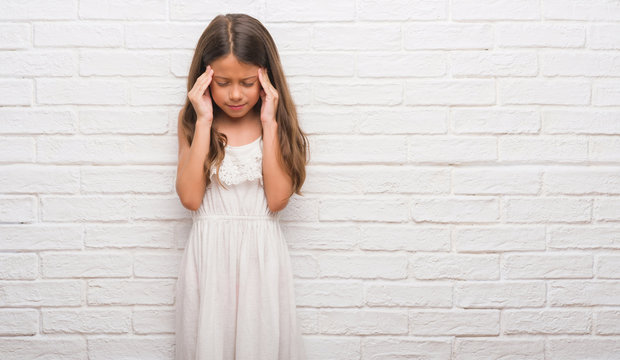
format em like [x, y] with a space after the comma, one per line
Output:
[462, 199]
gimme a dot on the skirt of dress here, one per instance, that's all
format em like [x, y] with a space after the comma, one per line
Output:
[235, 297]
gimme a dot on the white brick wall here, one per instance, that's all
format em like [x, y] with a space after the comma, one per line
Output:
[462, 200]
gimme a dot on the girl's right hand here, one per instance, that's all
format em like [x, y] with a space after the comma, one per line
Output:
[200, 97]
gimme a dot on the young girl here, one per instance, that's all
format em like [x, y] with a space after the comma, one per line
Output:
[242, 155]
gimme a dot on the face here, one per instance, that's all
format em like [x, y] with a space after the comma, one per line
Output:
[234, 83]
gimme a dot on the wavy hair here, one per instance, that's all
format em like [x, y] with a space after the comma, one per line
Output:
[250, 42]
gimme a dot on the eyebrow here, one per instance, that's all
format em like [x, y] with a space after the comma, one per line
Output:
[225, 78]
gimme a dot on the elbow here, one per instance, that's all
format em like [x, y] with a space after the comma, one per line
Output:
[188, 202]
[275, 206]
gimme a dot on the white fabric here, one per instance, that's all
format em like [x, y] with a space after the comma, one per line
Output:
[234, 296]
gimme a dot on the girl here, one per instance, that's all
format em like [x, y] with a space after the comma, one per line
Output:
[241, 156]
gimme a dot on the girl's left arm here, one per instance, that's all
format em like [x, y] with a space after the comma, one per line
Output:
[277, 183]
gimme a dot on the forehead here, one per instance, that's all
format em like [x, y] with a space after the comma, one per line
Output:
[230, 67]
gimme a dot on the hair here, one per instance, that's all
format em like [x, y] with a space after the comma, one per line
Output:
[250, 42]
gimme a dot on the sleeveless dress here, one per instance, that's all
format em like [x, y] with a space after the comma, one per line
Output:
[235, 298]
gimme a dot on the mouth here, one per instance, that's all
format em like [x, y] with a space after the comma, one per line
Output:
[238, 107]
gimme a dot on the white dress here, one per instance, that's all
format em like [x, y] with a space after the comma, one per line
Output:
[234, 293]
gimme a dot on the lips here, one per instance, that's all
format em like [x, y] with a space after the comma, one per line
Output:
[237, 107]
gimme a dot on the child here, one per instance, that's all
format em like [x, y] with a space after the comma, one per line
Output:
[234, 295]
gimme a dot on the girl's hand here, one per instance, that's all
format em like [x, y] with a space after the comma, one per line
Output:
[269, 97]
[200, 97]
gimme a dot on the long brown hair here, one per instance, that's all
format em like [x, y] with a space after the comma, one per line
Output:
[250, 42]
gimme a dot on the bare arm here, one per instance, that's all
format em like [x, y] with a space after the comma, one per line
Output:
[191, 180]
[278, 184]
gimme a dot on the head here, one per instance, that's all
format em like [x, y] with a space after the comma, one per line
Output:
[236, 45]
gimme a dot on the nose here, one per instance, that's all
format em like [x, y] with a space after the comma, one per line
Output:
[235, 93]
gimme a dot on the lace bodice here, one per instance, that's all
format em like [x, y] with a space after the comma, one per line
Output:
[241, 163]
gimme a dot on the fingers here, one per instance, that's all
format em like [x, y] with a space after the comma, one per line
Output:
[264, 79]
[203, 81]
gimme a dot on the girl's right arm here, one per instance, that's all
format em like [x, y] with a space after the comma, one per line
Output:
[191, 179]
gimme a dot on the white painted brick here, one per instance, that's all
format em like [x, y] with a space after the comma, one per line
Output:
[17, 149]
[363, 266]
[140, 347]
[318, 10]
[37, 63]
[15, 36]
[608, 267]
[449, 36]
[38, 10]
[582, 180]
[320, 237]
[403, 121]
[496, 180]
[494, 121]
[289, 36]
[450, 92]
[149, 208]
[20, 120]
[580, 64]
[38, 236]
[308, 320]
[196, 10]
[454, 266]
[549, 321]
[304, 266]
[84, 208]
[162, 35]
[332, 64]
[376, 179]
[18, 322]
[390, 10]
[451, 149]
[356, 37]
[583, 293]
[532, 148]
[332, 347]
[538, 34]
[547, 266]
[605, 92]
[153, 321]
[32, 347]
[358, 93]
[123, 63]
[454, 322]
[41, 293]
[363, 322]
[157, 265]
[73, 34]
[157, 92]
[455, 209]
[604, 148]
[603, 36]
[580, 122]
[147, 235]
[496, 294]
[363, 210]
[404, 237]
[357, 150]
[481, 239]
[547, 209]
[16, 92]
[321, 293]
[86, 264]
[18, 267]
[22, 178]
[607, 322]
[499, 348]
[18, 209]
[496, 63]
[130, 292]
[328, 120]
[402, 347]
[118, 180]
[399, 65]
[108, 150]
[86, 321]
[123, 10]
[584, 237]
[579, 10]
[300, 208]
[577, 348]
[556, 91]
[495, 10]
[79, 91]
[408, 294]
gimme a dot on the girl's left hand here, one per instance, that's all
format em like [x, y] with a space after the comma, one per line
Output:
[269, 97]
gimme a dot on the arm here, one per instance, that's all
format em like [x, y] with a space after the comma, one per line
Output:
[191, 180]
[278, 184]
